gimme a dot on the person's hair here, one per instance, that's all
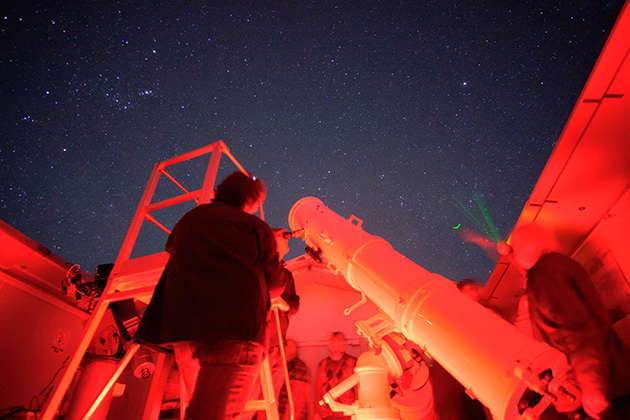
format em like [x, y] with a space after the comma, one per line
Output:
[465, 282]
[337, 334]
[239, 190]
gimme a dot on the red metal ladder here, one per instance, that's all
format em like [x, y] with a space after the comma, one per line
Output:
[133, 278]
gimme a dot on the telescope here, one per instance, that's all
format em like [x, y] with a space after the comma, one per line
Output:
[509, 372]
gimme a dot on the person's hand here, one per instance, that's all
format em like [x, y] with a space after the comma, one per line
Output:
[281, 304]
[282, 243]
[594, 405]
[483, 241]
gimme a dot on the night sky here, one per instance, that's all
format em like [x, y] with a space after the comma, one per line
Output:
[391, 111]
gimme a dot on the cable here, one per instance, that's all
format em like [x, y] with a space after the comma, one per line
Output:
[48, 385]
[15, 410]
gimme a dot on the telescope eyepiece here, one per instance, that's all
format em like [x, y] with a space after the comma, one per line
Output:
[295, 234]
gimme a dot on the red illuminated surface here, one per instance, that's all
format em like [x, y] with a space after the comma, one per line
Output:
[582, 193]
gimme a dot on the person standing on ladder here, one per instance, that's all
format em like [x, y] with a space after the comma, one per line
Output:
[212, 299]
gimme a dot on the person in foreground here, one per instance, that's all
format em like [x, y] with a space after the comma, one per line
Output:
[212, 300]
[567, 313]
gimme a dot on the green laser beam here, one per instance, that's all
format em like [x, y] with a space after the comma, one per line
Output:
[477, 222]
[484, 224]
[483, 208]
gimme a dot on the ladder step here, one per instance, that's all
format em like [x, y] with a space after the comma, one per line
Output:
[255, 405]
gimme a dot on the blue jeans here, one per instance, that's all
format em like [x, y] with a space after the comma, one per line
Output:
[226, 374]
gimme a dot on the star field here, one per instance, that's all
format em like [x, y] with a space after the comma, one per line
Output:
[384, 110]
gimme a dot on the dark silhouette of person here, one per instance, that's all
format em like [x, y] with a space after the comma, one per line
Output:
[566, 312]
[212, 299]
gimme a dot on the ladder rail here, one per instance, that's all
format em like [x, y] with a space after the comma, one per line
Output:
[109, 294]
[269, 403]
[283, 357]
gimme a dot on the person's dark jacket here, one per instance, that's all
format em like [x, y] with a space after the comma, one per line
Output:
[223, 263]
[567, 313]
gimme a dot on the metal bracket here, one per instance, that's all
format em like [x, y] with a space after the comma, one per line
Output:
[353, 219]
[363, 300]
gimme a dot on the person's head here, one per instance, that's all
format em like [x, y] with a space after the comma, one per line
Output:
[291, 349]
[337, 345]
[471, 288]
[531, 241]
[241, 191]
[282, 243]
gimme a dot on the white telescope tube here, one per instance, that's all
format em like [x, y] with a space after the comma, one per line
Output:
[480, 349]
